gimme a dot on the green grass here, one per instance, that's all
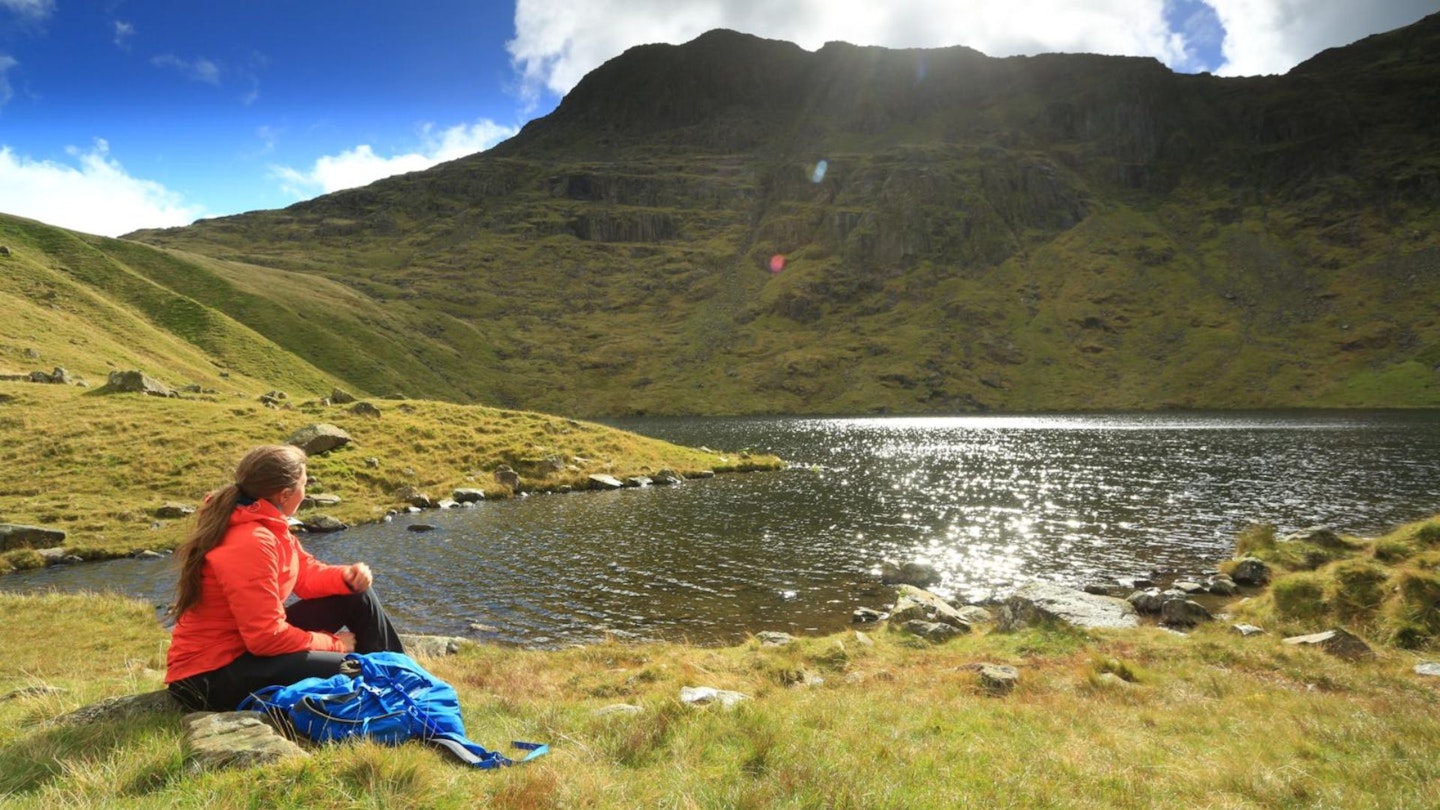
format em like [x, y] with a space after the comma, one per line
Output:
[1209, 720]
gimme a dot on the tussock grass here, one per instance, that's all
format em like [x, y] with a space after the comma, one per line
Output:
[1385, 588]
[1208, 721]
[98, 465]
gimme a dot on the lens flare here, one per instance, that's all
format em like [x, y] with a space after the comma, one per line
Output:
[818, 173]
[777, 262]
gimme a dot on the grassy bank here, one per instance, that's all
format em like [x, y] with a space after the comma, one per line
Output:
[1117, 719]
[98, 466]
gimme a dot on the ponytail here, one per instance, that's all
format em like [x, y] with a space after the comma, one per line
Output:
[211, 521]
[263, 471]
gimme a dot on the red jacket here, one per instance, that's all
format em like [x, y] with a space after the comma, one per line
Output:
[244, 584]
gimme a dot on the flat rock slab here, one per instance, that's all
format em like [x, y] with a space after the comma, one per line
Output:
[1038, 602]
[1339, 643]
[234, 740]
[1429, 668]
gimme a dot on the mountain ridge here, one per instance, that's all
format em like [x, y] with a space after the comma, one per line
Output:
[1024, 233]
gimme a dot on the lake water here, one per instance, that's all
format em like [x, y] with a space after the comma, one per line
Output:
[993, 501]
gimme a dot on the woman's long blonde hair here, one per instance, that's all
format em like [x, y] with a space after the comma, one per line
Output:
[264, 471]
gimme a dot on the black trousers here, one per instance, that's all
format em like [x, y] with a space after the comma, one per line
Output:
[221, 690]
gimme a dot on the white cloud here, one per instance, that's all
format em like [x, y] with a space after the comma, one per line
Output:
[558, 41]
[200, 70]
[361, 165]
[123, 32]
[30, 9]
[94, 194]
[1272, 36]
[6, 62]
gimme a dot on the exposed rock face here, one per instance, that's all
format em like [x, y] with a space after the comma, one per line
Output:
[136, 382]
[17, 535]
[1042, 601]
[319, 438]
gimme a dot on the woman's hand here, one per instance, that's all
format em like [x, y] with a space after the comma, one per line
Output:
[358, 577]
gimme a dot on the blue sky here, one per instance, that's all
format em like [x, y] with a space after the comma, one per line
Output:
[122, 114]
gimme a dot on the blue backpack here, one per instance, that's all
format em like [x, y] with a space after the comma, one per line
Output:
[389, 699]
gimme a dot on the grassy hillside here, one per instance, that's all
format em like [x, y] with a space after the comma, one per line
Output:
[1055, 232]
[1108, 719]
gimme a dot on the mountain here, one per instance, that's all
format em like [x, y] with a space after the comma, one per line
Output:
[736, 225]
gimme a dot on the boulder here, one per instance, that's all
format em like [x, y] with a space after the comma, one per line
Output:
[1339, 643]
[421, 527]
[1251, 571]
[340, 396]
[1183, 613]
[773, 638]
[918, 604]
[171, 511]
[507, 477]
[17, 535]
[706, 695]
[468, 495]
[1321, 536]
[234, 740]
[1188, 587]
[998, 679]
[414, 497]
[324, 524]
[432, 646]
[637, 481]
[136, 382]
[666, 478]
[1037, 602]
[1149, 600]
[1222, 586]
[319, 438]
[975, 614]
[365, 409]
[1428, 668]
[1246, 630]
[602, 481]
[934, 632]
[919, 574]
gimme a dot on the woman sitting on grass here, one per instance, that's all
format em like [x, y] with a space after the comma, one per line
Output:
[234, 633]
